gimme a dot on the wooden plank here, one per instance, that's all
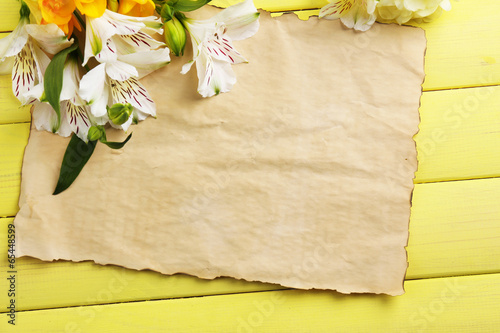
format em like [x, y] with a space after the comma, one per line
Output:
[458, 139]
[458, 304]
[275, 5]
[13, 140]
[11, 110]
[462, 45]
[462, 48]
[9, 10]
[454, 230]
[459, 135]
[88, 283]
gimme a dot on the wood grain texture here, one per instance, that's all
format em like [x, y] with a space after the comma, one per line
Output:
[87, 283]
[462, 45]
[13, 140]
[9, 11]
[275, 5]
[11, 110]
[454, 230]
[459, 304]
[455, 57]
[459, 135]
[459, 138]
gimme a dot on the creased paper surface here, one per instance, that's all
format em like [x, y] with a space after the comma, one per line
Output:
[301, 175]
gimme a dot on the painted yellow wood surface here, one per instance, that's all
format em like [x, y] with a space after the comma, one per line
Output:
[44, 285]
[10, 109]
[454, 228]
[450, 234]
[459, 138]
[9, 11]
[462, 48]
[459, 135]
[458, 304]
[13, 139]
[275, 5]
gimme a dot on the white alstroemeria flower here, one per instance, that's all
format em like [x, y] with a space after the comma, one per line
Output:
[213, 47]
[119, 38]
[75, 114]
[123, 63]
[402, 11]
[21, 51]
[101, 90]
[357, 14]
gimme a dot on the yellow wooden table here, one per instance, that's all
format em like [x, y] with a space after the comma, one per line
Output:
[453, 280]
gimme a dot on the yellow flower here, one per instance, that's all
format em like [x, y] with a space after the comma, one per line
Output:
[56, 11]
[68, 27]
[34, 9]
[136, 8]
[91, 8]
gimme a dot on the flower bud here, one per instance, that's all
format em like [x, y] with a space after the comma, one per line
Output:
[175, 36]
[119, 113]
[166, 12]
[95, 133]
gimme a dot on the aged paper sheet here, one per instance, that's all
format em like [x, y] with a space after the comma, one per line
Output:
[300, 176]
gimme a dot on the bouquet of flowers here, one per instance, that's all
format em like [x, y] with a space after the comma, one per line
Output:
[88, 85]
[85, 88]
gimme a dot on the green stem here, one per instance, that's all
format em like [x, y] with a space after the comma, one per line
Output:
[79, 18]
[24, 12]
[79, 53]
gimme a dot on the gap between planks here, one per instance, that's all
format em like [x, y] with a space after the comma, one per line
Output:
[334, 292]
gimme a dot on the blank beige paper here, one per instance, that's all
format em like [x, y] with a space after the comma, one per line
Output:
[300, 176]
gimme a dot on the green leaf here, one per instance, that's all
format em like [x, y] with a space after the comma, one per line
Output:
[166, 12]
[76, 156]
[53, 79]
[188, 5]
[115, 145]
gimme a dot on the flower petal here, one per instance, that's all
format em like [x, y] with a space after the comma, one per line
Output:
[336, 9]
[93, 90]
[23, 73]
[15, 41]
[44, 117]
[214, 76]
[71, 79]
[41, 59]
[221, 47]
[358, 18]
[146, 62]
[133, 92]
[108, 53]
[96, 34]
[241, 20]
[93, 8]
[49, 37]
[187, 66]
[129, 25]
[445, 4]
[138, 42]
[78, 119]
[118, 70]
